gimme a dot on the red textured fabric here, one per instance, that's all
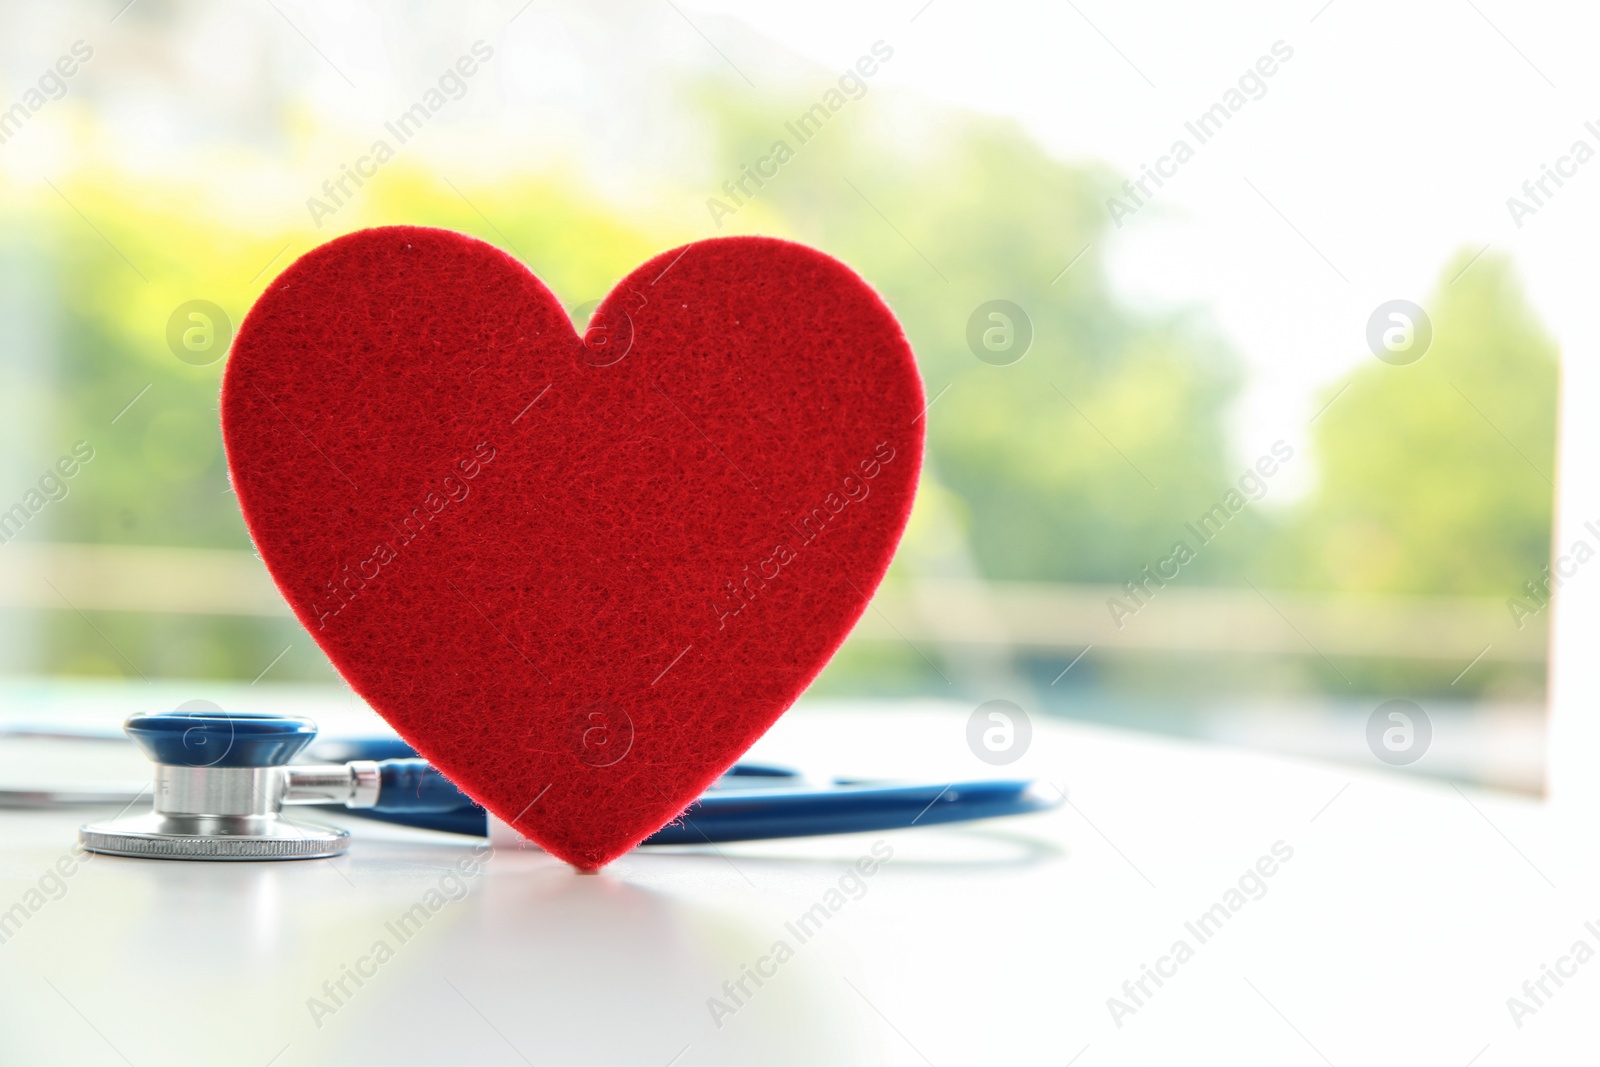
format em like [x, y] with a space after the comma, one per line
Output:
[581, 576]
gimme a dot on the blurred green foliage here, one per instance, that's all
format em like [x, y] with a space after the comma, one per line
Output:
[1081, 463]
[1072, 464]
[1438, 477]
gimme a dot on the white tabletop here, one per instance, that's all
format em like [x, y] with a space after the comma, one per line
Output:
[1405, 917]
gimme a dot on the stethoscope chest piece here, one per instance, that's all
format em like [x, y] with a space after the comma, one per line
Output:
[221, 782]
[158, 836]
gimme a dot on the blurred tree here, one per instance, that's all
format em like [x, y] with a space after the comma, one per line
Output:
[159, 476]
[1437, 476]
[1082, 460]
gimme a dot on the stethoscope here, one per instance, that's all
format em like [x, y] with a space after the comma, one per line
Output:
[222, 782]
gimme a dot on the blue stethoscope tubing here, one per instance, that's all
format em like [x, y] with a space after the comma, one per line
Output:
[748, 803]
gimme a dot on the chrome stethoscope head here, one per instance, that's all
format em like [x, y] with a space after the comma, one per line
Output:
[221, 783]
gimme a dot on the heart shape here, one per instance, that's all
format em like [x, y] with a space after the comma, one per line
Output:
[579, 575]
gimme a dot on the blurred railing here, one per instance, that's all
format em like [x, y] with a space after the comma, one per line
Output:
[1205, 619]
[1042, 617]
[185, 581]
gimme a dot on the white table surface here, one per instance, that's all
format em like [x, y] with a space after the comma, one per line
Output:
[1407, 916]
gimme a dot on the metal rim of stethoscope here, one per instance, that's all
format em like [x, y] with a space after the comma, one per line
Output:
[220, 785]
[222, 780]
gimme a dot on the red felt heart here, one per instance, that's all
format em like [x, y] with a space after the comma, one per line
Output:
[581, 576]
